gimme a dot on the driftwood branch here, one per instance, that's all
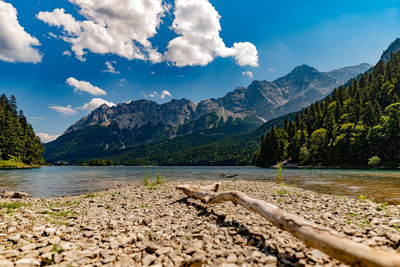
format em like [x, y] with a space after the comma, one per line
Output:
[223, 175]
[331, 242]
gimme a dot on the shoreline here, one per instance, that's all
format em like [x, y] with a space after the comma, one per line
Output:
[138, 226]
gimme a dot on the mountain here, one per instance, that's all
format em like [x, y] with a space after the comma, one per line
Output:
[356, 126]
[392, 49]
[110, 131]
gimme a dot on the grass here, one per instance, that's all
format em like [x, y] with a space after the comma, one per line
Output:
[72, 203]
[383, 207]
[12, 164]
[353, 214]
[157, 179]
[279, 174]
[13, 205]
[57, 250]
[396, 227]
[90, 195]
[146, 207]
[362, 198]
[282, 192]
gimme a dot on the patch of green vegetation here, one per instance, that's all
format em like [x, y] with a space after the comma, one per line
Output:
[14, 164]
[188, 237]
[13, 205]
[396, 227]
[362, 198]
[157, 179]
[340, 196]
[57, 250]
[353, 214]
[146, 207]
[279, 173]
[90, 195]
[72, 203]
[282, 192]
[383, 207]
[61, 213]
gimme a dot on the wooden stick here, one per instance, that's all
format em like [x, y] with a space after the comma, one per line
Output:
[329, 241]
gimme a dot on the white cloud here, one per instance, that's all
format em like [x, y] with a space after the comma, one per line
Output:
[197, 23]
[121, 27]
[16, 45]
[67, 53]
[95, 103]
[164, 94]
[65, 111]
[84, 87]
[247, 73]
[110, 67]
[272, 70]
[46, 138]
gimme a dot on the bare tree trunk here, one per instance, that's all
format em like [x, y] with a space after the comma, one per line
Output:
[331, 242]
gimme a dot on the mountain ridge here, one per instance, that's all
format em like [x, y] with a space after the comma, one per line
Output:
[244, 109]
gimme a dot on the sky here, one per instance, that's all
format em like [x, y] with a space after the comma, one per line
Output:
[63, 58]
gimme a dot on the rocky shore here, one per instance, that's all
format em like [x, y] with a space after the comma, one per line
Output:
[142, 226]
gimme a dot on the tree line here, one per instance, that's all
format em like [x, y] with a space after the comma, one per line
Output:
[18, 141]
[356, 126]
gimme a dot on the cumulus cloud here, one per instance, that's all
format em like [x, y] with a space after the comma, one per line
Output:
[95, 103]
[164, 94]
[272, 70]
[247, 73]
[65, 111]
[46, 138]
[67, 53]
[16, 45]
[110, 67]
[84, 87]
[121, 27]
[197, 24]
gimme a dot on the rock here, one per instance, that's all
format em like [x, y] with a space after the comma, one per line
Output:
[163, 250]
[27, 263]
[271, 260]
[14, 238]
[394, 222]
[50, 231]
[148, 259]
[231, 258]
[6, 263]
[8, 194]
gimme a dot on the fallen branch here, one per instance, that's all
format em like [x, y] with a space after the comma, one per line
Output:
[223, 175]
[329, 241]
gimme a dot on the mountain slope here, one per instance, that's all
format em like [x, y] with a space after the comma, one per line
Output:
[356, 126]
[111, 130]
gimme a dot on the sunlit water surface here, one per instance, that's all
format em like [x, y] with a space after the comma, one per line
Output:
[60, 181]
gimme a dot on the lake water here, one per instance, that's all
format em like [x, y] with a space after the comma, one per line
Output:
[60, 181]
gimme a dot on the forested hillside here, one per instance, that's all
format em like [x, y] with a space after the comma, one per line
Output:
[356, 126]
[18, 142]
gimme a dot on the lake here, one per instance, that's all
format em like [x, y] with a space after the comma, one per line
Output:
[50, 182]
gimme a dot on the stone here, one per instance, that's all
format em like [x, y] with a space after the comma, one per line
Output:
[148, 259]
[163, 250]
[27, 263]
[6, 263]
[8, 194]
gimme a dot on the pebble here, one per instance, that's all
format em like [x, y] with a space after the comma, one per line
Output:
[135, 225]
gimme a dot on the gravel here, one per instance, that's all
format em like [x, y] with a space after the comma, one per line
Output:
[141, 226]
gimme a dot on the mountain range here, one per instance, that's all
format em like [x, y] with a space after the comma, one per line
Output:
[111, 131]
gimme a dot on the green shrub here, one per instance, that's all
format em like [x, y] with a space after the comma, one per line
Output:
[374, 161]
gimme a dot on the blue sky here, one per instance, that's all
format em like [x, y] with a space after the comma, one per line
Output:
[183, 63]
